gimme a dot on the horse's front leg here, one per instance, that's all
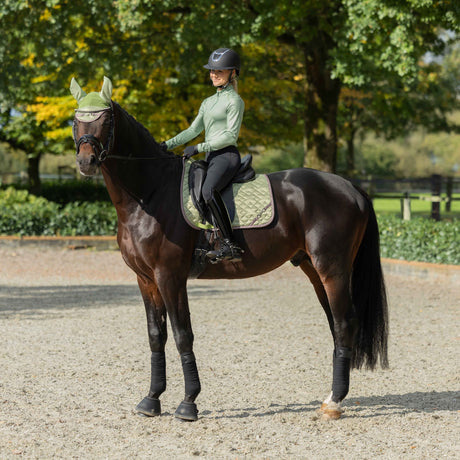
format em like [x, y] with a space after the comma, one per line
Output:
[156, 325]
[174, 291]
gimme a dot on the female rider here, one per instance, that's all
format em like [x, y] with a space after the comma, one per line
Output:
[220, 116]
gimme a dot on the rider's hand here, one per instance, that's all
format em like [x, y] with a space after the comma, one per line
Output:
[163, 146]
[190, 151]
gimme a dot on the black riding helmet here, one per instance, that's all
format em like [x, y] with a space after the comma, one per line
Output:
[224, 59]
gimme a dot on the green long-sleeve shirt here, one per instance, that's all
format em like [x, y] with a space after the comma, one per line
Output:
[220, 116]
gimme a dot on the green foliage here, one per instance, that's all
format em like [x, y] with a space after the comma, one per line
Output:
[25, 214]
[85, 219]
[154, 52]
[419, 239]
[381, 40]
[75, 190]
[10, 160]
[417, 154]
[70, 191]
[377, 159]
[291, 156]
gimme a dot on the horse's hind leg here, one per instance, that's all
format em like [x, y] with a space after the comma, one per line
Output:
[315, 280]
[334, 296]
[156, 325]
[328, 410]
[337, 288]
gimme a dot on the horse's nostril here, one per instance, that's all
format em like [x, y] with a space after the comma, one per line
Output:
[90, 160]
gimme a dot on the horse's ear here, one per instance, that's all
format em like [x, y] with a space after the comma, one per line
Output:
[106, 92]
[76, 90]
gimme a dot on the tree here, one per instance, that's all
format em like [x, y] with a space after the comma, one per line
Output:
[301, 60]
[391, 106]
[339, 44]
[390, 110]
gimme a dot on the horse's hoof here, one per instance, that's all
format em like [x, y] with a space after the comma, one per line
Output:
[330, 411]
[149, 406]
[187, 411]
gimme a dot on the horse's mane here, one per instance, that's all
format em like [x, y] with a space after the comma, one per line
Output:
[149, 145]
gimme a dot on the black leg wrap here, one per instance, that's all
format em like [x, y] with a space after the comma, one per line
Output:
[158, 374]
[151, 405]
[341, 373]
[191, 378]
[187, 409]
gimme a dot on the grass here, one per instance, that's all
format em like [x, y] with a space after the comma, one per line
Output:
[419, 208]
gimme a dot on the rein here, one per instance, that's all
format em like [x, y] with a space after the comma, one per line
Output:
[120, 157]
[101, 150]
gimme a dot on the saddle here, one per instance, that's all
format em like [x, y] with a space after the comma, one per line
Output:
[197, 175]
[248, 198]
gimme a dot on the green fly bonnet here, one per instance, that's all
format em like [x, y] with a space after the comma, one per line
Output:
[92, 105]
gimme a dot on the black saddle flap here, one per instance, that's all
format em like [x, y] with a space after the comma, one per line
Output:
[197, 175]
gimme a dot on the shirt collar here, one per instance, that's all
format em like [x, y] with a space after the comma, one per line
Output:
[228, 88]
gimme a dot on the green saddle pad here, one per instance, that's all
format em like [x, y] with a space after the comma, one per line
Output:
[253, 202]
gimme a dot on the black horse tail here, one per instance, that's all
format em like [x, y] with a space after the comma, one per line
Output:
[369, 299]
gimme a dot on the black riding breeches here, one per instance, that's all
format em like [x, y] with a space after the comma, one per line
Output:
[223, 164]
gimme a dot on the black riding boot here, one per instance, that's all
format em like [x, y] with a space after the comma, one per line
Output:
[228, 250]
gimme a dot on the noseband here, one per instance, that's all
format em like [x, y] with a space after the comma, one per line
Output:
[100, 150]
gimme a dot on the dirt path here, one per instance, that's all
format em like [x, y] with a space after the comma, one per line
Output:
[74, 361]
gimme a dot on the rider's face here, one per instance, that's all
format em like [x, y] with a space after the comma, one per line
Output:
[219, 77]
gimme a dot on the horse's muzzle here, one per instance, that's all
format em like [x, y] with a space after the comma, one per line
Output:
[87, 162]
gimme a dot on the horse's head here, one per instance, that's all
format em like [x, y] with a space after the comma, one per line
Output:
[92, 126]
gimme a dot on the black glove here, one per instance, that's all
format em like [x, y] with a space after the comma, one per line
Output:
[163, 146]
[190, 151]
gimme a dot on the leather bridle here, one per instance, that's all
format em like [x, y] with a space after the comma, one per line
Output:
[101, 151]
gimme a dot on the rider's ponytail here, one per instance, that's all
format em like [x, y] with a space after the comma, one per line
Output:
[235, 84]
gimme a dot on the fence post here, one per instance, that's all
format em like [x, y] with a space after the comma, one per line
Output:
[449, 189]
[370, 188]
[405, 206]
[436, 194]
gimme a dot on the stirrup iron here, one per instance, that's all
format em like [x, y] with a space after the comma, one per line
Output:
[228, 250]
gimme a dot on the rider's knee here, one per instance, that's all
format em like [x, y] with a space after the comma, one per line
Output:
[207, 193]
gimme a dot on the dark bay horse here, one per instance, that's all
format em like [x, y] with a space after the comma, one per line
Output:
[323, 224]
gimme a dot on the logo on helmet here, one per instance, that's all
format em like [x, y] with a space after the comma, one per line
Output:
[216, 56]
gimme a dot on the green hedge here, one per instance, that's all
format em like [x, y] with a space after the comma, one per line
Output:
[77, 190]
[421, 239]
[23, 214]
[69, 191]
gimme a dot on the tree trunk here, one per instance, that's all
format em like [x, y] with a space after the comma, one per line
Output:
[350, 154]
[322, 96]
[33, 164]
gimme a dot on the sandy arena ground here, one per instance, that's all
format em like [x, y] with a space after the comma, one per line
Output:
[74, 362]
